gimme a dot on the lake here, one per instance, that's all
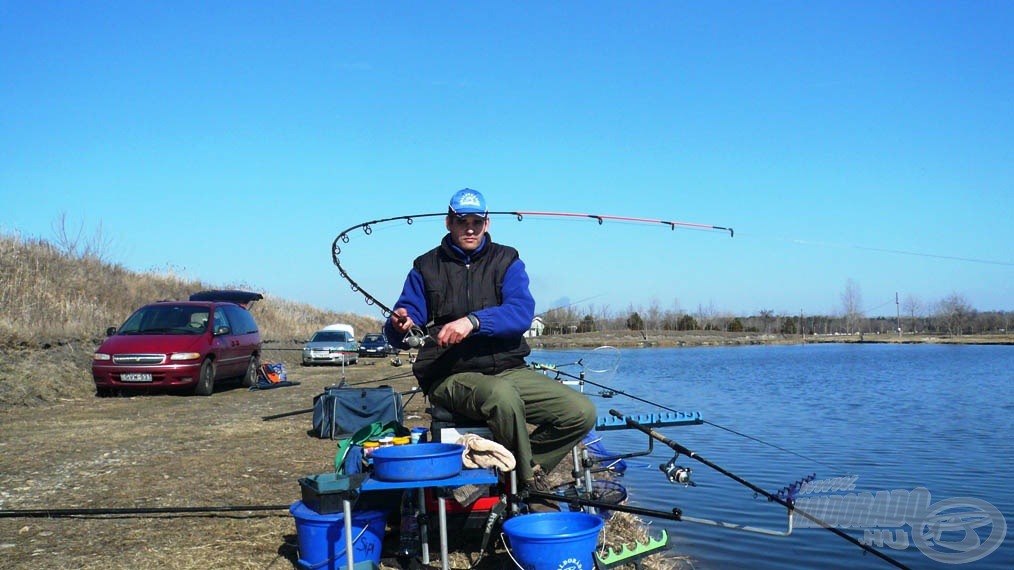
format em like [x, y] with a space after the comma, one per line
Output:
[898, 425]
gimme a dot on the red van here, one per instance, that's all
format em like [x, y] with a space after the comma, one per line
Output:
[185, 345]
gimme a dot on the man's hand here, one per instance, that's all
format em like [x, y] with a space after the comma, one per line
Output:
[454, 332]
[401, 321]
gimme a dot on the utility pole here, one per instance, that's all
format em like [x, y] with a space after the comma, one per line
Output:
[897, 307]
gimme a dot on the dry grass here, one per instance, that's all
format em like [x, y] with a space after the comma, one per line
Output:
[47, 294]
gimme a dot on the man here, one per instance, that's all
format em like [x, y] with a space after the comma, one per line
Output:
[473, 296]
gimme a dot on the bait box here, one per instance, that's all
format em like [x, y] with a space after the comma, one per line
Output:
[323, 494]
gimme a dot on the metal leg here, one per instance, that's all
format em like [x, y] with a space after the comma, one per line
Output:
[424, 526]
[514, 508]
[350, 560]
[588, 483]
[442, 517]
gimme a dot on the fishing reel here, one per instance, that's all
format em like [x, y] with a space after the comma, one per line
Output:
[677, 474]
[418, 338]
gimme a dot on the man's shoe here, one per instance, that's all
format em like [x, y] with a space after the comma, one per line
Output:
[540, 484]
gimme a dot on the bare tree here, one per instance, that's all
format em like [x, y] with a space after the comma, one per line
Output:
[706, 316]
[653, 315]
[672, 316]
[955, 312]
[912, 305]
[75, 244]
[852, 306]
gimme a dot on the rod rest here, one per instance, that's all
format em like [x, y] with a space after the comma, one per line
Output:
[667, 419]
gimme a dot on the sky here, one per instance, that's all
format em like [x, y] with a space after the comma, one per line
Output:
[232, 142]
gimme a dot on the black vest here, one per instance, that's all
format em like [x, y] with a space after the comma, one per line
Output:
[453, 290]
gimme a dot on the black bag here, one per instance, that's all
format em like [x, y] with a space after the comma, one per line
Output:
[343, 411]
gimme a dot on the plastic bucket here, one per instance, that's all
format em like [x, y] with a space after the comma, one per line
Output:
[554, 541]
[322, 537]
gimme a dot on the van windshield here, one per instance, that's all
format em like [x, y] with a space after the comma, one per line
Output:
[167, 319]
[330, 336]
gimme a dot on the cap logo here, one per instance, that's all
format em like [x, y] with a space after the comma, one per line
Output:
[469, 199]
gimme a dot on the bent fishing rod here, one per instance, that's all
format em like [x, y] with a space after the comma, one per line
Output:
[417, 336]
[788, 504]
[611, 391]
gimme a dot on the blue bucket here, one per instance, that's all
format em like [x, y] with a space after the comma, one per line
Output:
[554, 541]
[322, 537]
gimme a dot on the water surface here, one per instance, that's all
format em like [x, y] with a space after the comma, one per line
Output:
[896, 417]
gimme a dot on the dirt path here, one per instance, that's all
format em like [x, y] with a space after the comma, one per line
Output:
[168, 451]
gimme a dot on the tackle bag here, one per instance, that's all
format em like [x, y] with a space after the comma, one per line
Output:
[271, 373]
[342, 411]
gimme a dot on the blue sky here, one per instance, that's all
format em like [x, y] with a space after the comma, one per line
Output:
[233, 141]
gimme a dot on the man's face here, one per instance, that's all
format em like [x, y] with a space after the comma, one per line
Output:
[467, 231]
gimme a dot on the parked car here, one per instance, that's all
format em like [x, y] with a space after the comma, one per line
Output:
[375, 344]
[186, 345]
[331, 346]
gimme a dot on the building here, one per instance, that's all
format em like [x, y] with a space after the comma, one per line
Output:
[537, 327]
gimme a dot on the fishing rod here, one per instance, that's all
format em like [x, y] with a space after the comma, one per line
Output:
[613, 391]
[788, 504]
[416, 334]
[61, 513]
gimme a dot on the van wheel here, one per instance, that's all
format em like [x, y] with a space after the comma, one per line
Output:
[250, 378]
[206, 383]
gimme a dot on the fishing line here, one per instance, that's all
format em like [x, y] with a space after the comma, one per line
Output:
[886, 250]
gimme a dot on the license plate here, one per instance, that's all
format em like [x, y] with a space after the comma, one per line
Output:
[136, 377]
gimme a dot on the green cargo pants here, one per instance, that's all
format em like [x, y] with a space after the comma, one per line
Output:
[508, 401]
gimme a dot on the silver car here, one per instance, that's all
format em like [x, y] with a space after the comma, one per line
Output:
[331, 347]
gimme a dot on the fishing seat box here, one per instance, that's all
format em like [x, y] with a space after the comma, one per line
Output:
[323, 495]
[465, 524]
[448, 427]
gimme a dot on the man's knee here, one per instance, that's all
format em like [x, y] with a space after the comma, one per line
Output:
[587, 413]
[579, 413]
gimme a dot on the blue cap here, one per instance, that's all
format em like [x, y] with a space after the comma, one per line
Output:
[468, 202]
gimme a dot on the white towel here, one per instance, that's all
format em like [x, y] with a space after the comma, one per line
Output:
[485, 453]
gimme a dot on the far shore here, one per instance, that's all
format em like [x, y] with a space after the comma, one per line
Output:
[664, 339]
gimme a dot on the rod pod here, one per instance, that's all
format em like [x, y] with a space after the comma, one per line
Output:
[791, 508]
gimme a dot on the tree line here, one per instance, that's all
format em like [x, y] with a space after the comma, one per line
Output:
[952, 315]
